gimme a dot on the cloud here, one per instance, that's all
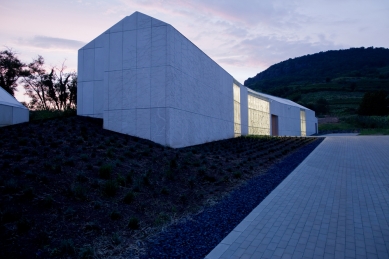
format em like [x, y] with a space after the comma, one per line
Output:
[274, 13]
[257, 50]
[264, 51]
[45, 42]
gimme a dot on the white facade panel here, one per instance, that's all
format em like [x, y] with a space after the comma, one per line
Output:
[158, 87]
[87, 97]
[88, 64]
[98, 72]
[129, 49]
[129, 122]
[118, 27]
[143, 47]
[143, 123]
[80, 103]
[98, 100]
[130, 22]
[158, 125]
[115, 120]
[115, 90]
[20, 115]
[116, 51]
[143, 21]
[174, 87]
[80, 65]
[105, 92]
[90, 45]
[143, 81]
[129, 89]
[106, 40]
[158, 46]
[11, 110]
[5, 115]
[99, 41]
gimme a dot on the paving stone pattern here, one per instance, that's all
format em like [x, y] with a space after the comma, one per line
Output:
[335, 204]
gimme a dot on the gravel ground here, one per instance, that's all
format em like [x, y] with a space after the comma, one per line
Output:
[196, 237]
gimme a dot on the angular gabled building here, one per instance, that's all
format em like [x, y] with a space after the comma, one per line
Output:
[145, 79]
[11, 111]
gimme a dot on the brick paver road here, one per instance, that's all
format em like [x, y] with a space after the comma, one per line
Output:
[335, 204]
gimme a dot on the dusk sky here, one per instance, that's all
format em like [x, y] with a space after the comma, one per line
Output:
[244, 37]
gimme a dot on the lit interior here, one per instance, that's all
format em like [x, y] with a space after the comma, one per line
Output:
[259, 116]
[237, 120]
[303, 123]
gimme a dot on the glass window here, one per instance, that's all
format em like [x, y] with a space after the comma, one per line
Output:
[237, 120]
[303, 123]
[259, 116]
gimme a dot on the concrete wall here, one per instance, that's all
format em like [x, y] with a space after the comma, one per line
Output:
[10, 115]
[145, 79]
[6, 112]
[288, 118]
[11, 111]
[199, 97]
[90, 78]
[288, 113]
[312, 123]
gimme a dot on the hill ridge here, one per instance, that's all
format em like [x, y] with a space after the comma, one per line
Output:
[320, 66]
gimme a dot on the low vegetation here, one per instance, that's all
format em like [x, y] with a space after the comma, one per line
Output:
[374, 132]
[365, 124]
[71, 189]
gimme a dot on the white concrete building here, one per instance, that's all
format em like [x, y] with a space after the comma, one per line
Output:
[11, 111]
[145, 79]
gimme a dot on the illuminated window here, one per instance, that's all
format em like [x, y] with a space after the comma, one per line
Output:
[259, 116]
[303, 123]
[237, 121]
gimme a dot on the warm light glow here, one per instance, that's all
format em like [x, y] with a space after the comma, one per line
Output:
[259, 116]
[237, 120]
[303, 123]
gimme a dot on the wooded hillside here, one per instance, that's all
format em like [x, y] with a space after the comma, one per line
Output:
[331, 83]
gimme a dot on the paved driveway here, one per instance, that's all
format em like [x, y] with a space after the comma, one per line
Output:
[335, 204]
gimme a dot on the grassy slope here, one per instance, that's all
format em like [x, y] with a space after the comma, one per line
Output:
[374, 132]
[342, 99]
[70, 188]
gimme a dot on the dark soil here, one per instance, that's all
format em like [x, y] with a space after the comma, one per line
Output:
[70, 189]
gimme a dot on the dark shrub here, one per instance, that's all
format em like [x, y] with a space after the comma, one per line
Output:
[78, 191]
[130, 196]
[81, 177]
[86, 252]
[110, 188]
[115, 215]
[164, 191]
[11, 186]
[28, 194]
[67, 246]
[237, 174]
[210, 178]
[105, 171]
[96, 205]
[173, 163]
[23, 225]
[133, 223]
[183, 199]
